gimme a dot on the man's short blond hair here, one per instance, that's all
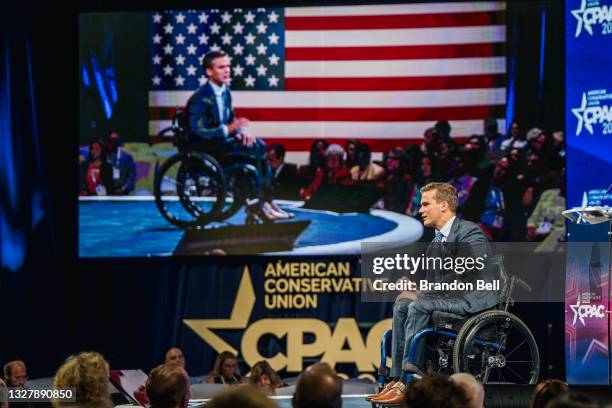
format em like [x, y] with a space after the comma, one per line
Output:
[443, 192]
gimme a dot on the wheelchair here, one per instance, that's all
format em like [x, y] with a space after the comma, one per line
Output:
[494, 345]
[192, 188]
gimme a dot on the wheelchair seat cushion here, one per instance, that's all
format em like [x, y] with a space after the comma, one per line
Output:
[446, 320]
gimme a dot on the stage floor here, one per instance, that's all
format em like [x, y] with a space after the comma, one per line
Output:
[133, 227]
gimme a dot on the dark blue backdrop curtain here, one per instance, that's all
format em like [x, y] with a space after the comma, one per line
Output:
[28, 281]
[535, 64]
[51, 303]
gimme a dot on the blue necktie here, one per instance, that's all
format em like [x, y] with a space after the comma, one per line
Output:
[439, 237]
[225, 111]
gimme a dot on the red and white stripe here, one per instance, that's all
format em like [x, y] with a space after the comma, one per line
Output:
[381, 74]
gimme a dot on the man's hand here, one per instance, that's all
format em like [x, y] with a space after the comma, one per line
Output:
[247, 139]
[407, 294]
[244, 122]
[238, 124]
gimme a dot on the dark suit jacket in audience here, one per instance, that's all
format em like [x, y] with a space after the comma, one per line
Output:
[287, 182]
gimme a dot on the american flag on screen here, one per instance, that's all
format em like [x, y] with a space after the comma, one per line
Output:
[380, 73]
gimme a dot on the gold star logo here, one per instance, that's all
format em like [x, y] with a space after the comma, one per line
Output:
[239, 318]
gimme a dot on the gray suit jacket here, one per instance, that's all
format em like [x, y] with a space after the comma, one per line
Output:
[465, 239]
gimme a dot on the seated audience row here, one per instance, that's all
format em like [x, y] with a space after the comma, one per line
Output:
[319, 385]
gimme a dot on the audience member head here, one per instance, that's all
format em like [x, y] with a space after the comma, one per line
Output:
[435, 390]
[3, 395]
[474, 144]
[97, 150]
[318, 387]
[539, 143]
[558, 139]
[532, 136]
[175, 355]
[351, 151]
[515, 156]
[317, 153]
[168, 386]
[534, 163]
[112, 141]
[472, 153]
[15, 373]
[501, 171]
[226, 366]
[445, 150]
[395, 161]
[243, 397]
[439, 202]
[444, 128]
[334, 157]
[515, 131]
[87, 373]
[473, 389]
[363, 155]
[413, 156]
[571, 400]
[264, 377]
[546, 391]
[426, 168]
[490, 126]
[434, 135]
[276, 155]
[428, 135]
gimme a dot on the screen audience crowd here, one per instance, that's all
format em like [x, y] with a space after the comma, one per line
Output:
[318, 386]
[512, 185]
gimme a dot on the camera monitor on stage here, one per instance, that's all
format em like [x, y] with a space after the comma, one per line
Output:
[274, 137]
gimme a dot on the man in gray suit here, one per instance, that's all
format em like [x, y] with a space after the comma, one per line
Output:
[413, 309]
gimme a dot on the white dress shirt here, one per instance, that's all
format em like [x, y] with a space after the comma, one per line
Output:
[445, 230]
[219, 92]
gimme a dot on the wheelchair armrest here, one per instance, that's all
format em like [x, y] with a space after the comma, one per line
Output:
[524, 285]
[164, 132]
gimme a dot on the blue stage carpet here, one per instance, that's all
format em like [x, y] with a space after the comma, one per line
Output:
[135, 228]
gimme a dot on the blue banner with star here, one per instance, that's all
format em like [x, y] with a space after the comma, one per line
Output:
[588, 129]
[588, 113]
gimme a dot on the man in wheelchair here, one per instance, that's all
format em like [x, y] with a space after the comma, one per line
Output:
[412, 310]
[213, 128]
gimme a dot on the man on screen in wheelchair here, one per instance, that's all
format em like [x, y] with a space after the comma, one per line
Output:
[412, 310]
[213, 128]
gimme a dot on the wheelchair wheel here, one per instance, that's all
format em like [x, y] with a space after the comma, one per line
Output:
[189, 189]
[507, 352]
[234, 198]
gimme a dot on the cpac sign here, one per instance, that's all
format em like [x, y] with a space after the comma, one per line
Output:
[328, 344]
[592, 112]
[582, 311]
[593, 14]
